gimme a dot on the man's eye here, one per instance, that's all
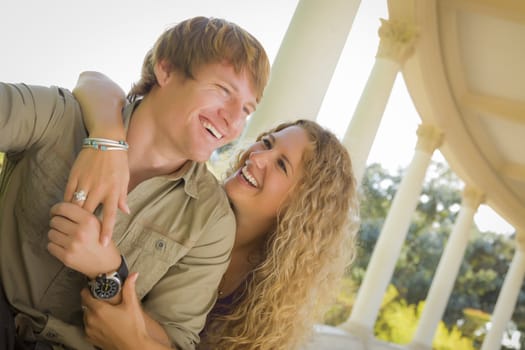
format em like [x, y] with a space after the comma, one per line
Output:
[224, 89]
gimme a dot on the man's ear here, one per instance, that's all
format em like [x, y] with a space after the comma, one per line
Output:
[163, 72]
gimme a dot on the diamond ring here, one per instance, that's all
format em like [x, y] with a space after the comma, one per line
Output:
[79, 196]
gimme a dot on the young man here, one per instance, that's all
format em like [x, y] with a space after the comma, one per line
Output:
[200, 81]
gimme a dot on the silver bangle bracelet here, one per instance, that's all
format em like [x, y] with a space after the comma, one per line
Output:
[105, 148]
[104, 144]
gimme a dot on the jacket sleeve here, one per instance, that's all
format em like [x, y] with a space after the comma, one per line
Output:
[27, 113]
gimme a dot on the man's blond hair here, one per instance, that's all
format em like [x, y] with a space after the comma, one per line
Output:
[201, 40]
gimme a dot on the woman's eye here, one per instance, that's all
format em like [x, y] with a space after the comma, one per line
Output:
[282, 165]
[267, 143]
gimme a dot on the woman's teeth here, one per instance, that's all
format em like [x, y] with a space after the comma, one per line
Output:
[249, 177]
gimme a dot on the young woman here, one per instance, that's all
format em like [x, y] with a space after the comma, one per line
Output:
[294, 197]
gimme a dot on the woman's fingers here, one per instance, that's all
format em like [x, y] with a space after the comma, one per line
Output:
[100, 178]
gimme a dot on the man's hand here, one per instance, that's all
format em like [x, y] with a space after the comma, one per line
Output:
[74, 240]
[119, 326]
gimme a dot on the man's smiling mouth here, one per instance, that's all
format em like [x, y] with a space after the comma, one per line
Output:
[211, 129]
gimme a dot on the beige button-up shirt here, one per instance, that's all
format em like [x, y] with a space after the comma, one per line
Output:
[178, 237]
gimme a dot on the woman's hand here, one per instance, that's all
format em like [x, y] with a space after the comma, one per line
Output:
[119, 326]
[74, 240]
[103, 176]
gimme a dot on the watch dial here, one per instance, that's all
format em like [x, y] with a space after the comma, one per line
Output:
[106, 288]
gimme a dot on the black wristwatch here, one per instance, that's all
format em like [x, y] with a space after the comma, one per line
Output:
[108, 285]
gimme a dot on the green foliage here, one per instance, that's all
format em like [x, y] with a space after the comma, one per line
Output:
[452, 339]
[1, 159]
[377, 192]
[224, 158]
[395, 311]
[340, 311]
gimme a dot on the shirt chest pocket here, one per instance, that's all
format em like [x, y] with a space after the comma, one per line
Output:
[150, 254]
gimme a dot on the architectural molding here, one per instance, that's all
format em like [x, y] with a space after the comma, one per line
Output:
[514, 171]
[505, 9]
[496, 107]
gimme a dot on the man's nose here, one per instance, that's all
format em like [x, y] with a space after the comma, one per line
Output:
[235, 114]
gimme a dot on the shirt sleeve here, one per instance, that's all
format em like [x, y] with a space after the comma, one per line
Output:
[189, 290]
[26, 113]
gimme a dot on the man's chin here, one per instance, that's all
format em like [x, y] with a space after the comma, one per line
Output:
[203, 154]
[202, 157]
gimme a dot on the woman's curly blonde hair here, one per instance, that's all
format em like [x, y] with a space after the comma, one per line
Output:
[304, 257]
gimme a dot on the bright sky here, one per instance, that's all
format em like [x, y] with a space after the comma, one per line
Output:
[51, 42]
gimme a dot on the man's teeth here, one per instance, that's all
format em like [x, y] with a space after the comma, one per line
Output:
[249, 177]
[211, 129]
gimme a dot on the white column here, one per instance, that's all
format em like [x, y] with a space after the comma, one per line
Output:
[393, 234]
[447, 270]
[305, 63]
[396, 45]
[507, 298]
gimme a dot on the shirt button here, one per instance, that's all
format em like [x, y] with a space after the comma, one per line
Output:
[160, 244]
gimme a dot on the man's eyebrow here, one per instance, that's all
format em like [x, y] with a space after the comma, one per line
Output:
[274, 140]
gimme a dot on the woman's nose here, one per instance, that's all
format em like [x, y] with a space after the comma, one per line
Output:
[260, 158]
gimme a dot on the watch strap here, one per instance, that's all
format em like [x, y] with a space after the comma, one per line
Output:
[122, 270]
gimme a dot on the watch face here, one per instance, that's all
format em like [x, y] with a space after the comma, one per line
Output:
[105, 287]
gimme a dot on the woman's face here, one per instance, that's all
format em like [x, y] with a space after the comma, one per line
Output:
[268, 171]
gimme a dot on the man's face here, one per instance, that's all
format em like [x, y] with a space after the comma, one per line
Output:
[199, 115]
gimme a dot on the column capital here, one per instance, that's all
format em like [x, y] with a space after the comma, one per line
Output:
[472, 197]
[429, 138]
[397, 40]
